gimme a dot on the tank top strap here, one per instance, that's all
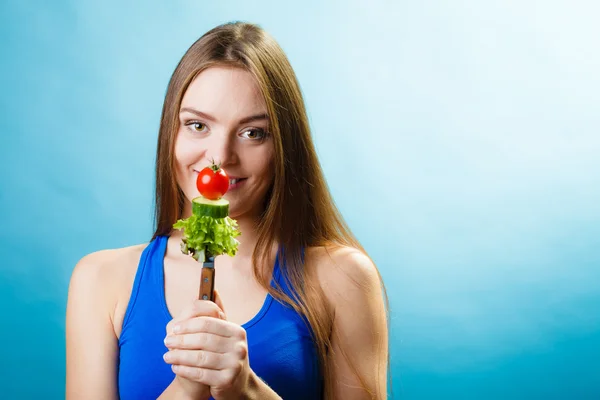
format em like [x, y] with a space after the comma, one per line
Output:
[279, 272]
[149, 274]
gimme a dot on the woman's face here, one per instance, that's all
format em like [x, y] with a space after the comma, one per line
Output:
[223, 117]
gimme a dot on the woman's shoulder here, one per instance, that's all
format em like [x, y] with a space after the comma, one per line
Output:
[333, 262]
[108, 264]
[344, 272]
[106, 277]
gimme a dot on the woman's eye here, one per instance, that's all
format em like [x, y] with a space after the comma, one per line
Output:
[196, 126]
[254, 134]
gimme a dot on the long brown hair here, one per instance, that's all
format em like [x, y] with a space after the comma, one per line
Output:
[299, 211]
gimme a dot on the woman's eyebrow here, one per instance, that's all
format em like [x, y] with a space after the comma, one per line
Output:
[252, 118]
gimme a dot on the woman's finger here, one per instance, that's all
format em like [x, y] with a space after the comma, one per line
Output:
[197, 358]
[206, 325]
[198, 308]
[200, 341]
[206, 376]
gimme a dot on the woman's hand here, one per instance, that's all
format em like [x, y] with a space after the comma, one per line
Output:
[205, 350]
[207, 309]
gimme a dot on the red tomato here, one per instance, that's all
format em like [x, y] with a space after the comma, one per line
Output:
[212, 182]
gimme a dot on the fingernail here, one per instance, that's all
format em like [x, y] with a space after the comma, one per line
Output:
[221, 315]
[167, 356]
[169, 340]
[176, 328]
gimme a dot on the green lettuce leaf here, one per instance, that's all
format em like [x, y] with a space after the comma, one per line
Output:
[207, 236]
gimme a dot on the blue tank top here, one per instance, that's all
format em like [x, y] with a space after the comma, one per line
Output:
[280, 348]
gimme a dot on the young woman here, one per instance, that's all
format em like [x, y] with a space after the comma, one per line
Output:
[300, 311]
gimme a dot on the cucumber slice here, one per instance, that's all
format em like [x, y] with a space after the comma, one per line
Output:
[202, 206]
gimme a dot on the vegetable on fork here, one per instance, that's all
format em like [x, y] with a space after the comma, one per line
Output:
[209, 231]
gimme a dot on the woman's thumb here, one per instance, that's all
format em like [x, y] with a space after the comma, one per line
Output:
[219, 303]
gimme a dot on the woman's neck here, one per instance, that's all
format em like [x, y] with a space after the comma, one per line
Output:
[248, 227]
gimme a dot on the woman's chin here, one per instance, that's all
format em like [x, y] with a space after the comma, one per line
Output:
[239, 213]
[235, 213]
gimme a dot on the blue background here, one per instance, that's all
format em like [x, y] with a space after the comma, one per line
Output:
[460, 139]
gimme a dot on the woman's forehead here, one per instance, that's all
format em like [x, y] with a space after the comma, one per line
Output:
[225, 91]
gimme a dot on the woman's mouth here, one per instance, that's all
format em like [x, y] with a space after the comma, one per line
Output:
[235, 183]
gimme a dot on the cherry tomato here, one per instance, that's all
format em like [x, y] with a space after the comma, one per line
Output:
[212, 182]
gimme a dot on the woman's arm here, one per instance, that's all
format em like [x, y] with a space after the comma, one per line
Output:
[92, 349]
[351, 283]
[92, 344]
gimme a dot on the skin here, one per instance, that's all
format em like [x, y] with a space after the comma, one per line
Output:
[207, 345]
[228, 95]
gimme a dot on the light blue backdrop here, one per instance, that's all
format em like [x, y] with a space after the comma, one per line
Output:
[460, 139]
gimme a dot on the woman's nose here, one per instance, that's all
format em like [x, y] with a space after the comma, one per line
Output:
[221, 149]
